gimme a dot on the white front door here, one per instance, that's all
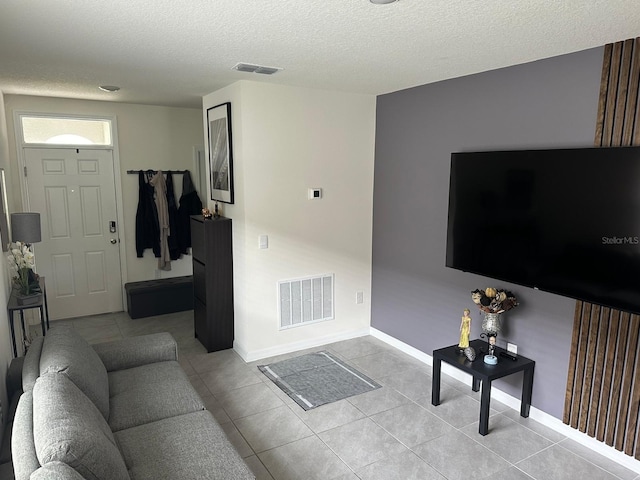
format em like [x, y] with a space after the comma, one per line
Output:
[74, 191]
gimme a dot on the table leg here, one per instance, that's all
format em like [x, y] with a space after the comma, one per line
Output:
[485, 398]
[46, 307]
[435, 382]
[13, 335]
[24, 331]
[527, 389]
[42, 319]
[475, 384]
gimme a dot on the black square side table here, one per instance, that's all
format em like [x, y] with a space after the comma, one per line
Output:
[484, 373]
[41, 304]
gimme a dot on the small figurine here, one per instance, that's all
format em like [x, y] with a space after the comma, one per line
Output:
[470, 353]
[206, 213]
[216, 213]
[465, 329]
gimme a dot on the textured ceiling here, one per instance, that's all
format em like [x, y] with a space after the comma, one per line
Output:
[168, 52]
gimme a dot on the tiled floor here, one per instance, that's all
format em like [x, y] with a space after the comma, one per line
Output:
[390, 433]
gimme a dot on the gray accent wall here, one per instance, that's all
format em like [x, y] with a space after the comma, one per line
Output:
[415, 298]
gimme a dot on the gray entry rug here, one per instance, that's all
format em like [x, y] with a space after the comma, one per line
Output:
[317, 378]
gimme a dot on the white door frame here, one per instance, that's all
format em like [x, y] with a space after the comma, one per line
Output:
[24, 189]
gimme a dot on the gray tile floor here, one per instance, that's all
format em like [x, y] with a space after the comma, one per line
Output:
[390, 433]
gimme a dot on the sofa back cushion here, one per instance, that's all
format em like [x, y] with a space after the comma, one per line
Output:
[64, 350]
[31, 366]
[25, 461]
[56, 471]
[68, 428]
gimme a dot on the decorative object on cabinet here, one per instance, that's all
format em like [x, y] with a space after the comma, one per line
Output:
[220, 152]
[492, 302]
[211, 244]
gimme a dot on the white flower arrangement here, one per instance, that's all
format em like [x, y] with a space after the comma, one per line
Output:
[21, 262]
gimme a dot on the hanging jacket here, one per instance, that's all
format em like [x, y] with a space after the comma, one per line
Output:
[160, 186]
[174, 248]
[190, 204]
[147, 229]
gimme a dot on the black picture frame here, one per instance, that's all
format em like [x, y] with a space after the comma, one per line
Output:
[220, 151]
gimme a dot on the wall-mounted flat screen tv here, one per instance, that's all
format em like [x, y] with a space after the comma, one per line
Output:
[566, 221]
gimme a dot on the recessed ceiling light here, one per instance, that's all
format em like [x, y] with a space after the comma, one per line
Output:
[109, 88]
[382, 2]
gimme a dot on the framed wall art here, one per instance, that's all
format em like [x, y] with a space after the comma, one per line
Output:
[220, 152]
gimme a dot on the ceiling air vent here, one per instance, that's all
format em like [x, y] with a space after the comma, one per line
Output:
[250, 68]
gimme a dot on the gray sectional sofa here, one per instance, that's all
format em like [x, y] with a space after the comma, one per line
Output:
[119, 410]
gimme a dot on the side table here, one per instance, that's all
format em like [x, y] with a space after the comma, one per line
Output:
[484, 373]
[41, 304]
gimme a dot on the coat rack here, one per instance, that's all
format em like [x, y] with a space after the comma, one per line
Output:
[131, 172]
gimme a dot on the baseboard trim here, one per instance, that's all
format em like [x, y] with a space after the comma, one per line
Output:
[514, 403]
[252, 356]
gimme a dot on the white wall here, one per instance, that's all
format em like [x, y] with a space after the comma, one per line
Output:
[286, 140]
[6, 349]
[149, 137]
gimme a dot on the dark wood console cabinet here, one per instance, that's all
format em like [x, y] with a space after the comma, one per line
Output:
[211, 246]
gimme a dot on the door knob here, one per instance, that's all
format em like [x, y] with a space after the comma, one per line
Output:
[113, 241]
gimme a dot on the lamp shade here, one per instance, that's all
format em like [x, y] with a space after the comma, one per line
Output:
[25, 227]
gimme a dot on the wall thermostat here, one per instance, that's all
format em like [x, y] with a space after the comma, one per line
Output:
[315, 193]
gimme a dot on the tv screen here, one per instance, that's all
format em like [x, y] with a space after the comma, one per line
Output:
[566, 221]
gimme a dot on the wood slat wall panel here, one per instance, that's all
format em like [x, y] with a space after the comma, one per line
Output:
[580, 358]
[609, 343]
[575, 337]
[602, 99]
[598, 374]
[592, 343]
[629, 373]
[617, 364]
[603, 383]
[612, 95]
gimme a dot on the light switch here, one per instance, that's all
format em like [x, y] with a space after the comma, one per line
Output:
[263, 241]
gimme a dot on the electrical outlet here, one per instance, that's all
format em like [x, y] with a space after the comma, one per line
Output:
[512, 347]
[359, 297]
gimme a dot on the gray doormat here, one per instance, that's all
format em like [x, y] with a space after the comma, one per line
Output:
[317, 378]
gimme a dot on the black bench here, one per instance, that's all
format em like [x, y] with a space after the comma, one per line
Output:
[157, 297]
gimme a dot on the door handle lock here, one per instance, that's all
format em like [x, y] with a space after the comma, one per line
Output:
[113, 241]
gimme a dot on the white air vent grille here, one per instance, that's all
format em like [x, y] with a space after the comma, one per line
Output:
[250, 68]
[305, 300]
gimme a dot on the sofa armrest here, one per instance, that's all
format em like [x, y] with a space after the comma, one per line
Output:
[136, 351]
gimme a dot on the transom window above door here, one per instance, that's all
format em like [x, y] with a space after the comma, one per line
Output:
[39, 130]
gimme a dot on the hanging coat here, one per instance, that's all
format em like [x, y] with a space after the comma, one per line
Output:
[160, 186]
[190, 204]
[147, 228]
[174, 248]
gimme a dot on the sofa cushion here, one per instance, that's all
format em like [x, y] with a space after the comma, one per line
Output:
[67, 427]
[31, 366]
[25, 461]
[64, 350]
[56, 471]
[198, 448]
[133, 352]
[149, 393]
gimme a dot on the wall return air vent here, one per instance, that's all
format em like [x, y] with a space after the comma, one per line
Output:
[305, 300]
[250, 68]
